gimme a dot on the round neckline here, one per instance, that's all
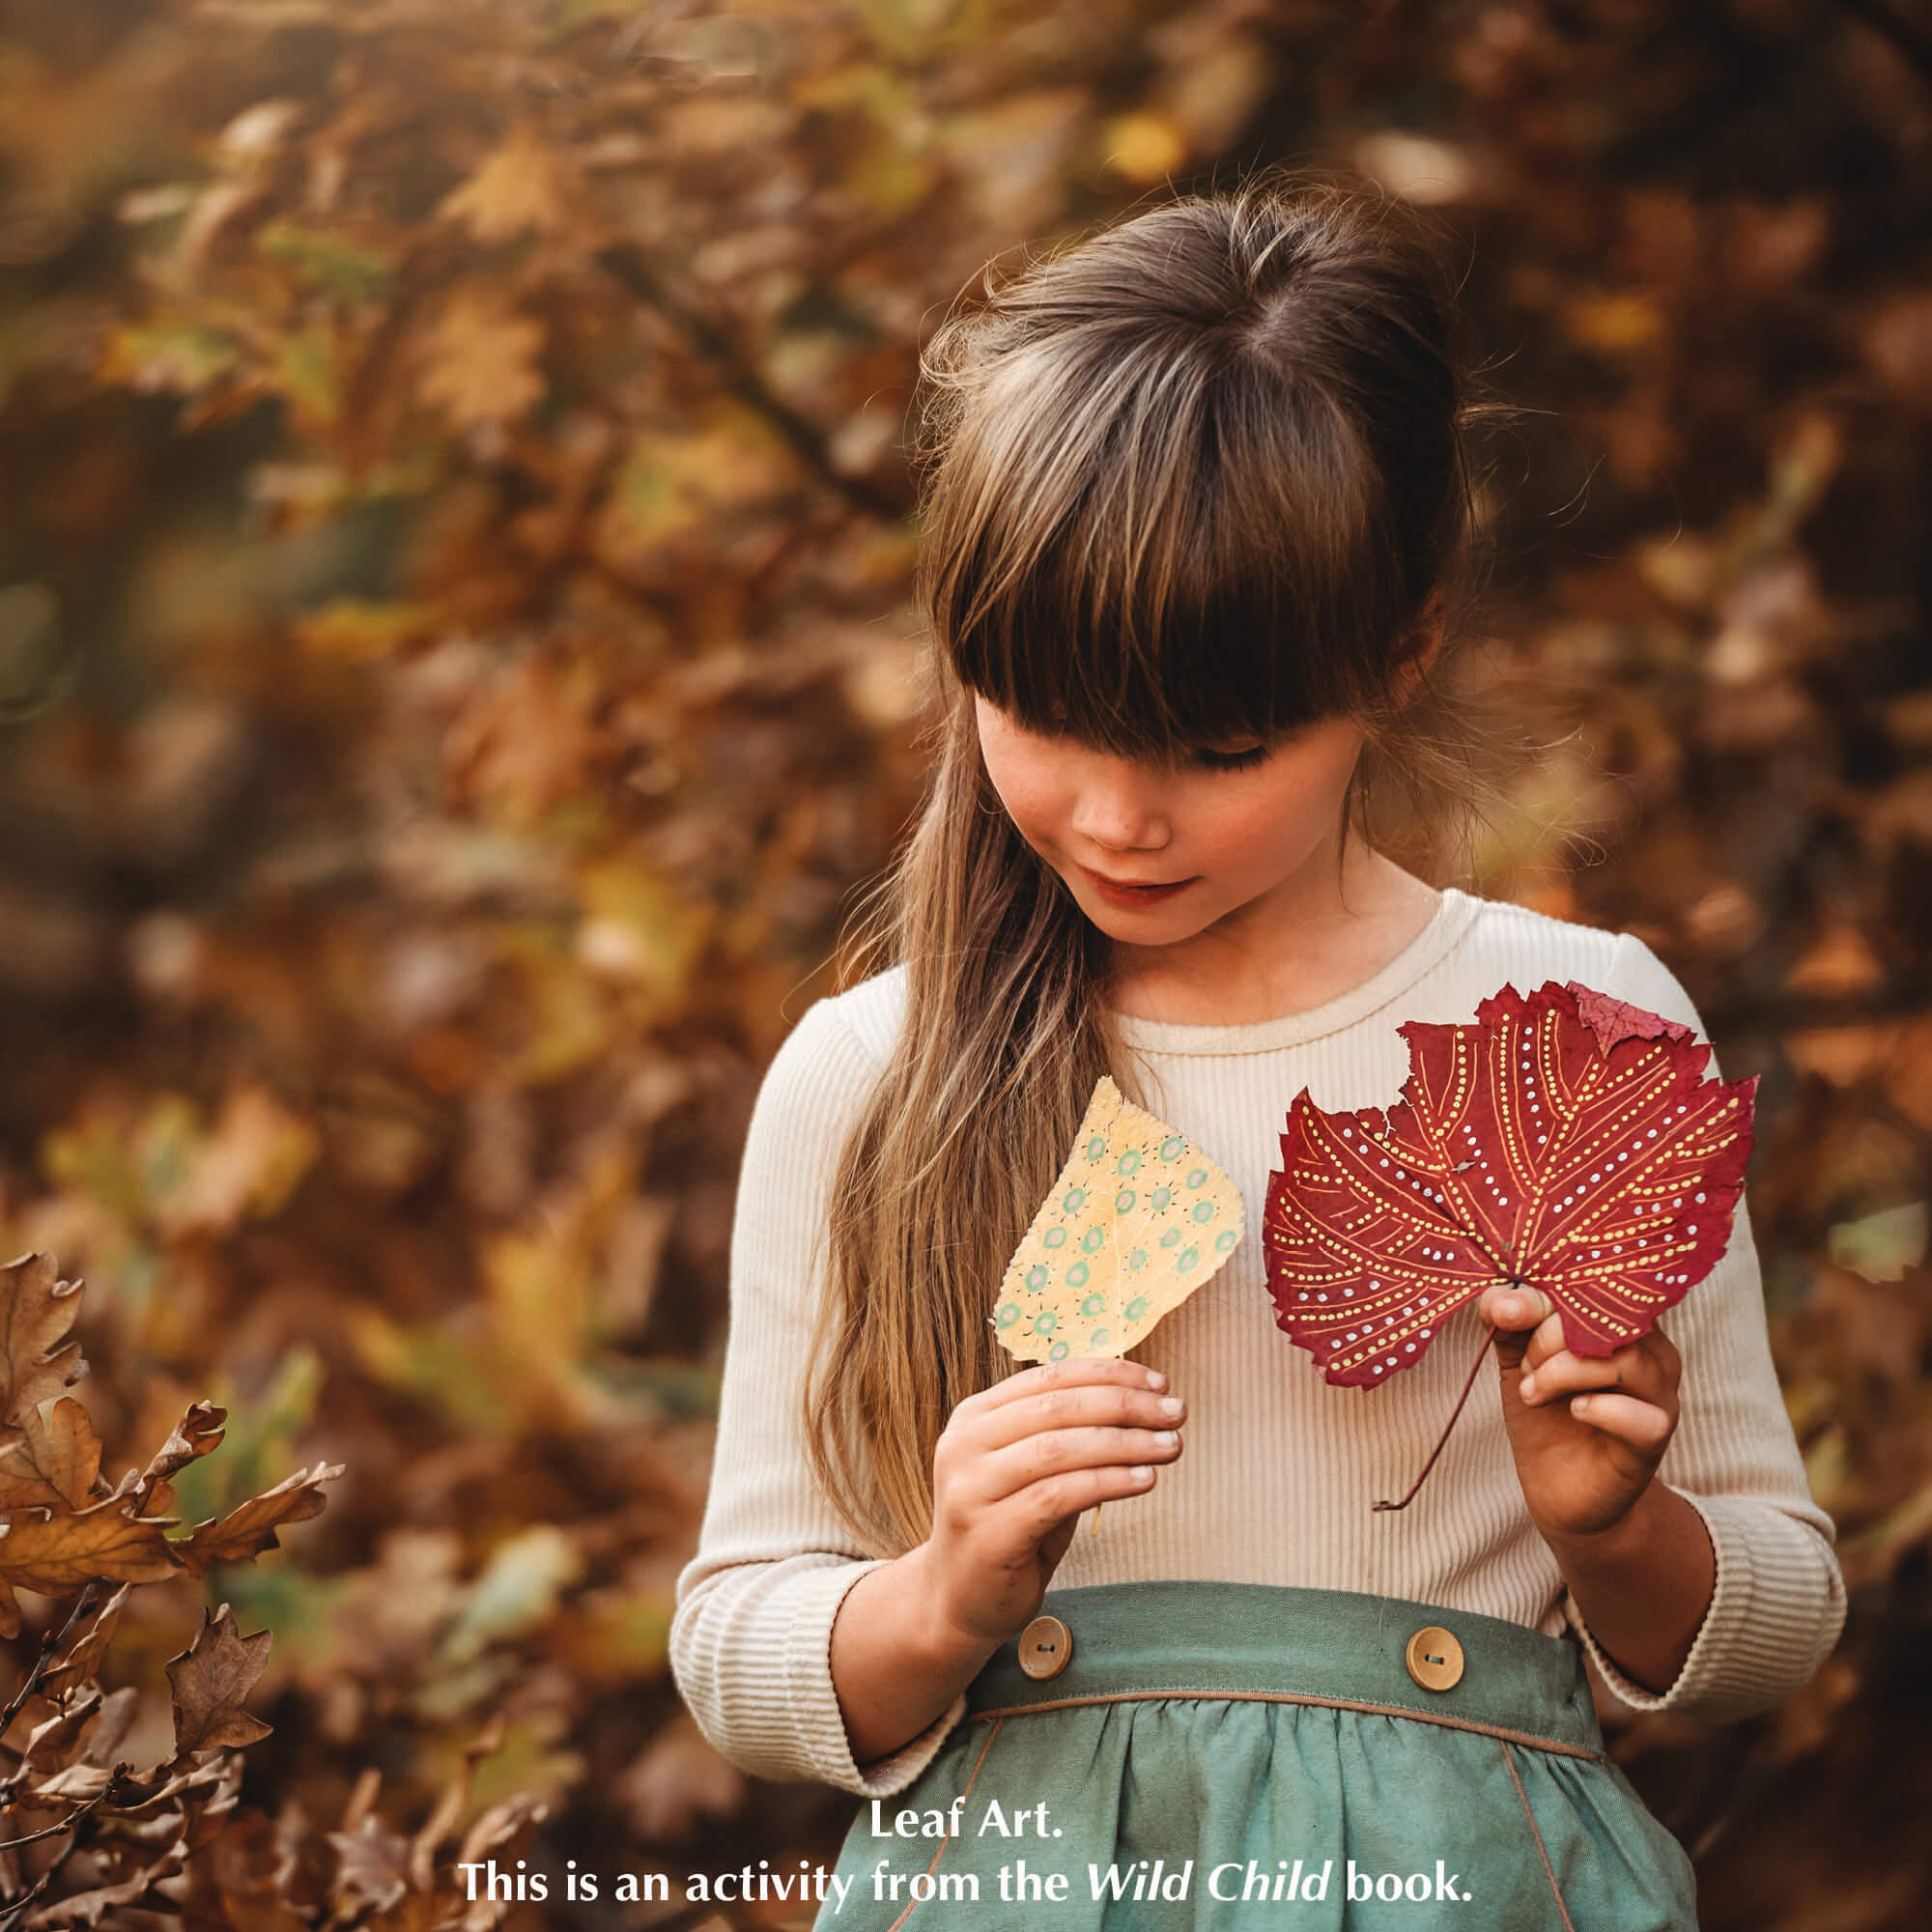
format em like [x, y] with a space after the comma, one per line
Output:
[1455, 912]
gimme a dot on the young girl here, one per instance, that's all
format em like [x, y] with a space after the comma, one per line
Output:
[1197, 508]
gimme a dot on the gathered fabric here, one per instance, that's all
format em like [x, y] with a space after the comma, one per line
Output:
[1188, 1755]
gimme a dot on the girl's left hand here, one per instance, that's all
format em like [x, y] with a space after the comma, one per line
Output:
[1587, 1432]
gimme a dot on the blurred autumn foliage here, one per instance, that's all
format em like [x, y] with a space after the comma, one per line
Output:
[456, 662]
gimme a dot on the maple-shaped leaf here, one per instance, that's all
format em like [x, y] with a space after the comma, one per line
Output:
[37, 1308]
[1566, 1142]
[1137, 1221]
[249, 1529]
[210, 1678]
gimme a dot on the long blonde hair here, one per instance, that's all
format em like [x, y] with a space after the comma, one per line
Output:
[1195, 478]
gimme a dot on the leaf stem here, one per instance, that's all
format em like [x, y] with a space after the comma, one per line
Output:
[1470, 1383]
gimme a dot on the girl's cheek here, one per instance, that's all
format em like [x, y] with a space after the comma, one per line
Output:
[1028, 795]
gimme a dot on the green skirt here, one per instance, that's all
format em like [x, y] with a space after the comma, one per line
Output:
[1187, 1755]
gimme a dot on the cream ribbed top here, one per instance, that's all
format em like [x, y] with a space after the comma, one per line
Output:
[1279, 1469]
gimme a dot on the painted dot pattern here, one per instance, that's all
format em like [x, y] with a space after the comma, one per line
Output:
[1567, 1141]
[1137, 1221]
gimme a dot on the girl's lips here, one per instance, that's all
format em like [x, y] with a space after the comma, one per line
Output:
[1116, 893]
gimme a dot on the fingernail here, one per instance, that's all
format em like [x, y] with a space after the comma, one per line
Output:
[1579, 1403]
[1156, 1379]
[1171, 1404]
[1526, 1387]
[1166, 1437]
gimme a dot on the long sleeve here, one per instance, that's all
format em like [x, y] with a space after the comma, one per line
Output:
[1779, 1599]
[750, 1638]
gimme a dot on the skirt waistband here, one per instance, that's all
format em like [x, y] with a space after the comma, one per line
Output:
[1183, 1638]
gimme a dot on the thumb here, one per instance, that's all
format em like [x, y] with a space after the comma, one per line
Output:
[1516, 1313]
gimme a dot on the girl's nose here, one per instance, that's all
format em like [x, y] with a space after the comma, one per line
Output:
[1118, 810]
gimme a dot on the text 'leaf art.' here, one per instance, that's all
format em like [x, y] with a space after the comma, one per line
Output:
[1566, 1142]
[1137, 1221]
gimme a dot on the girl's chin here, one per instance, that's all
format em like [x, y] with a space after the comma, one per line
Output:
[1165, 923]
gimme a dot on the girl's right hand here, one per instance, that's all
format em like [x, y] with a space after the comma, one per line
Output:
[1012, 1471]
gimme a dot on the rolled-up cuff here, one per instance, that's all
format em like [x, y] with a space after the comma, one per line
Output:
[816, 1598]
[1775, 1613]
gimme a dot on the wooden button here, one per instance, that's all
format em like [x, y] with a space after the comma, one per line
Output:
[1046, 1646]
[1434, 1657]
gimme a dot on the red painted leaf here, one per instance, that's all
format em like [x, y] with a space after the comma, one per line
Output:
[1567, 1142]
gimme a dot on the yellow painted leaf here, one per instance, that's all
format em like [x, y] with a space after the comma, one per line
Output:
[1137, 1221]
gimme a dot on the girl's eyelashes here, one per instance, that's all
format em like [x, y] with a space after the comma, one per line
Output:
[1230, 761]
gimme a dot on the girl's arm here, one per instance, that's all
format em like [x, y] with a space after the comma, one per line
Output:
[752, 1637]
[799, 1656]
[1645, 1587]
[1012, 1470]
[1718, 1594]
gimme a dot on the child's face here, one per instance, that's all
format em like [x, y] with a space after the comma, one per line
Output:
[1154, 853]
